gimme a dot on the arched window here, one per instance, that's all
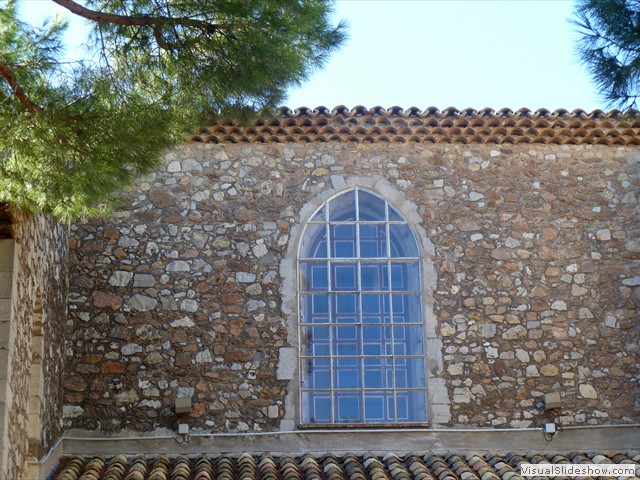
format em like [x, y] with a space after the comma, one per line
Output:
[361, 328]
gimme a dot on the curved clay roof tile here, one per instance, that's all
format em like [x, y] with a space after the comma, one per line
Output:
[327, 129]
[523, 111]
[359, 110]
[446, 122]
[504, 112]
[379, 110]
[414, 122]
[320, 121]
[468, 111]
[382, 120]
[493, 122]
[541, 123]
[450, 111]
[413, 111]
[398, 139]
[430, 111]
[542, 112]
[395, 110]
[559, 112]
[486, 112]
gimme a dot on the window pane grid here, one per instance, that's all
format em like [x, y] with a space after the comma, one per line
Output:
[373, 374]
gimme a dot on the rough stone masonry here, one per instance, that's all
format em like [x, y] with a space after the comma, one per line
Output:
[537, 282]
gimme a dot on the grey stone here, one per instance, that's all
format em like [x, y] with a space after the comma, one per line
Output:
[189, 305]
[130, 349]
[142, 303]
[178, 266]
[515, 333]
[143, 280]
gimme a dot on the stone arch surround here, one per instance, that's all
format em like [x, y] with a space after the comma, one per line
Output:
[438, 401]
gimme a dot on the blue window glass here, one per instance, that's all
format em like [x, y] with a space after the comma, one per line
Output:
[361, 327]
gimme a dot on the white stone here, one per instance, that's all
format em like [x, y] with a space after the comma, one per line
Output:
[532, 371]
[559, 305]
[204, 357]
[522, 355]
[476, 236]
[191, 165]
[120, 278]
[273, 411]
[455, 369]
[72, 411]
[286, 364]
[578, 291]
[438, 183]
[260, 250]
[584, 312]
[182, 322]
[494, 153]
[587, 391]
[174, 167]
[604, 234]
[245, 277]
[475, 196]
[632, 282]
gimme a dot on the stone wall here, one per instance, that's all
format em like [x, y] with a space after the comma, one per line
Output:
[39, 281]
[537, 258]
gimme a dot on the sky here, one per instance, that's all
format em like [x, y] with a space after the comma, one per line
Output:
[442, 53]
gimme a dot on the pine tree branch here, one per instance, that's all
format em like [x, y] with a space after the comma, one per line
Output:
[141, 20]
[9, 76]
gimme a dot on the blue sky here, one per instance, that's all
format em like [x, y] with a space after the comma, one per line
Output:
[460, 53]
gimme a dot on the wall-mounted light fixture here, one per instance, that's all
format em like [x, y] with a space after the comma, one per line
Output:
[182, 405]
[552, 405]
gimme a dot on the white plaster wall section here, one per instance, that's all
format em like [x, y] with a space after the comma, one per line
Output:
[437, 393]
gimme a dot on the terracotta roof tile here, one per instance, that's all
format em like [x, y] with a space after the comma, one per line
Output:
[413, 466]
[431, 125]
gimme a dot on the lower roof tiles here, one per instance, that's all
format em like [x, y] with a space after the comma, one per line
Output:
[411, 466]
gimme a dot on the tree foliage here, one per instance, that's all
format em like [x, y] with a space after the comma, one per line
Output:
[610, 47]
[73, 133]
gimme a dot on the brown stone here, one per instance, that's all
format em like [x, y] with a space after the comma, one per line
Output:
[161, 199]
[236, 354]
[231, 298]
[74, 383]
[549, 234]
[547, 254]
[501, 367]
[501, 253]
[106, 299]
[182, 360]
[112, 367]
[467, 225]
